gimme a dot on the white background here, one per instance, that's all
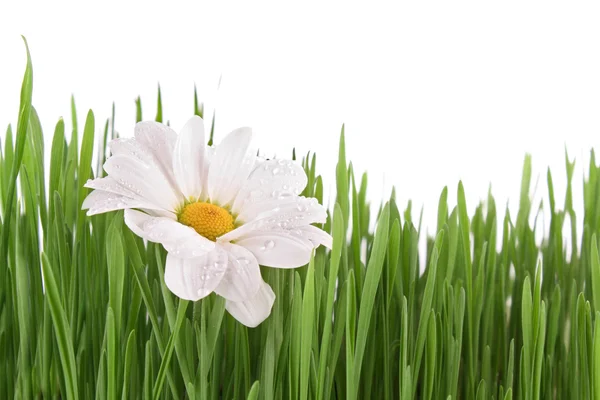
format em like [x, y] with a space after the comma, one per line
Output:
[430, 92]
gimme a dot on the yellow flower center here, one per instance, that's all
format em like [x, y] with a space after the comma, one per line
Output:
[207, 219]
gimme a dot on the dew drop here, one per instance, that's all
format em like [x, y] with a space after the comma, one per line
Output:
[268, 245]
[256, 193]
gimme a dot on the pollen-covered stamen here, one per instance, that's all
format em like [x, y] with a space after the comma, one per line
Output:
[207, 219]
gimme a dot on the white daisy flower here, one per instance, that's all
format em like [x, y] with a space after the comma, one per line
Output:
[220, 212]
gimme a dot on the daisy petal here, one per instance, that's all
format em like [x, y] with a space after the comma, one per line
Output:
[159, 141]
[290, 215]
[181, 240]
[242, 279]
[272, 179]
[209, 152]
[98, 202]
[315, 235]
[251, 210]
[254, 311]
[278, 250]
[230, 167]
[131, 147]
[195, 278]
[188, 158]
[109, 184]
[143, 180]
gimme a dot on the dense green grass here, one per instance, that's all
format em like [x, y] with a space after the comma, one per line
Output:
[494, 315]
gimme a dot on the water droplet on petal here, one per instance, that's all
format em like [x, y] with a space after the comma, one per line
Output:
[255, 193]
[268, 245]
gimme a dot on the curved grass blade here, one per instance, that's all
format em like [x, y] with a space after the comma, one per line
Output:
[21, 139]
[164, 364]
[62, 330]
[372, 278]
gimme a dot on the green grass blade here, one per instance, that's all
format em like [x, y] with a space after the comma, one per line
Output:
[373, 274]
[61, 330]
[164, 364]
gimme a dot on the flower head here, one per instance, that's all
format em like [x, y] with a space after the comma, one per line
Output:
[220, 212]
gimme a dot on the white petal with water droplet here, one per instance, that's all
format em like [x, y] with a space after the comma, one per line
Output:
[315, 235]
[99, 202]
[159, 140]
[188, 158]
[254, 311]
[180, 240]
[278, 250]
[301, 212]
[195, 278]
[242, 278]
[142, 180]
[230, 166]
[271, 180]
[131, 147]
[109, 184]
[251, 210]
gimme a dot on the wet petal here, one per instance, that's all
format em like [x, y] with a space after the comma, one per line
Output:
[254, 311]
[195, 278]
[188, 158]
[299, 212]
[242, 278]
[98, 202]
[230, 167]
[159, 141]
[142, 180]
[180, 240]
[271, 180]
[278, 249]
